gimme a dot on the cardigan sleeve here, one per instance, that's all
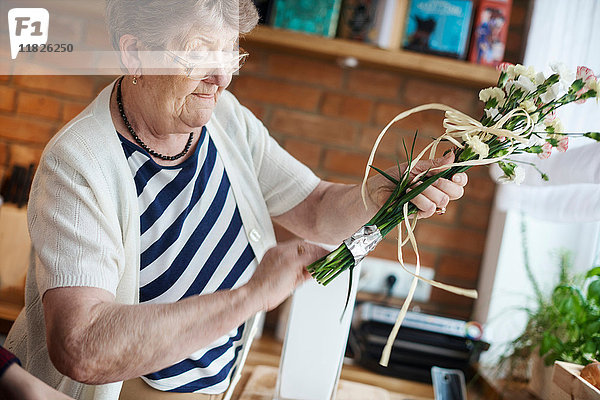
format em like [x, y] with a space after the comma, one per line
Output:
[6, 360]
[75, 242]
[284, 181]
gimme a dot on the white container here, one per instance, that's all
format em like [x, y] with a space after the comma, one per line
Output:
[315, 340]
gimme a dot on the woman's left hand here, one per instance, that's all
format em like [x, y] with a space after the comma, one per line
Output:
[435, 198]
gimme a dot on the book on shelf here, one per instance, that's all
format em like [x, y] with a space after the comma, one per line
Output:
[319, 17]
[264, 10]
[490, 30]
[378, 22]
[440, 27]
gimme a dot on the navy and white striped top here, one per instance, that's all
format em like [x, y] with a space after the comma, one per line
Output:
[192, 242]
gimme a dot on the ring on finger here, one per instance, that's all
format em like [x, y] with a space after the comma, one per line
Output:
[440, 210]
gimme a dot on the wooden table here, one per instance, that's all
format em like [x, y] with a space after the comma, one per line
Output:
[266, 351]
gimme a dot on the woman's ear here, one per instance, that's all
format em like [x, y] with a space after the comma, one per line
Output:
[130, 47]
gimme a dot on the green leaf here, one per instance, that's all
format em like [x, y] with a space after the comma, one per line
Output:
[593, 293]
[589, 347]
[386, 175]
[534, 149]
[593, 272]
[577, 85]
[592, 328]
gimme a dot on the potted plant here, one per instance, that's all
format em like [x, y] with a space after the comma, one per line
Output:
[564, 326]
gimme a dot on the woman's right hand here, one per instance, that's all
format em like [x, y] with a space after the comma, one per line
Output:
[281, 270]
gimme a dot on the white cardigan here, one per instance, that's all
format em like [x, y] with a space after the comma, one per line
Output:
[84, 219]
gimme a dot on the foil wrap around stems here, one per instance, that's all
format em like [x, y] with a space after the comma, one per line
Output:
[363, 242]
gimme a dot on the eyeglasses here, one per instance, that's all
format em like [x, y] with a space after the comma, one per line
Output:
[211, 63]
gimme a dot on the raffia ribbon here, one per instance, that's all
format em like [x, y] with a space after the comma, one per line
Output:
[458, 126]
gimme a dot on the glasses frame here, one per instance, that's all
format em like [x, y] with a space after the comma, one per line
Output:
[189, 66]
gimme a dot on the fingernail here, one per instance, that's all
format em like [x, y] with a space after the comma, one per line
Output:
[457, 178]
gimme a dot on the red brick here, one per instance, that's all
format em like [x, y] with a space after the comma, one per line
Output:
[475, 215]
[70, 85]
[255, 62]
[348, 107]
[460, 267]
[388, 249]
[345, 162]
[25, 154]
[71, 109]
[308, 153]
[324, 129]
[428, 123]
[468, 241]
[269, 91]
[301, 69]
[7, 98]
[22, 130]
[389, 144]
[481, 189]
[419, 91]
[38, 105]
[3, 155]
[258, 109]
[375, 83]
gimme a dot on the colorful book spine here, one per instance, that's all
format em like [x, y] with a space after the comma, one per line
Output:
[439, 27]
[490, 31]
[319, 17]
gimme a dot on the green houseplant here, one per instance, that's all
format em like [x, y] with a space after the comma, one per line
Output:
[565, 325]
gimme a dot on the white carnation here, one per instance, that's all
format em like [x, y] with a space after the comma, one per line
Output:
[551, 94]
[520, 70]
[594, 84]
[491, 112]
[480, 148]
[492, 93]
[528, 105]
[566, 76]
[539, 78]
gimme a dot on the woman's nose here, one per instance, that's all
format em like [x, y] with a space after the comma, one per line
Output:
[218, 77]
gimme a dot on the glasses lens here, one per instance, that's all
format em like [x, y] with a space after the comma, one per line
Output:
[227, 64]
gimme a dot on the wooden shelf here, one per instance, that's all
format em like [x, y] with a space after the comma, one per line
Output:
[440, 68]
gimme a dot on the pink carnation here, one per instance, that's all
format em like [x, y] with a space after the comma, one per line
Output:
[503, 67]
[586, 75]
[563, 144]
[550, 118]
[546, 151]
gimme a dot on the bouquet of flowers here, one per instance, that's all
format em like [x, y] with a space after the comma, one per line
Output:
[519, 117]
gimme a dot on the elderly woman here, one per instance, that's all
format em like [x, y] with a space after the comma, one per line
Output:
[151, 219]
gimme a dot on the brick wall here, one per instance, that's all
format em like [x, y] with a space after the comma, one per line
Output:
[324, 115]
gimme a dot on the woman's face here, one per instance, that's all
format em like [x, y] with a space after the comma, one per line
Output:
[189, 103]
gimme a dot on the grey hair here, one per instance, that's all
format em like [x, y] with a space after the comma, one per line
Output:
[143, 18]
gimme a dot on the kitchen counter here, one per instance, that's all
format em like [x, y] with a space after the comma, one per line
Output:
[266, 351]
